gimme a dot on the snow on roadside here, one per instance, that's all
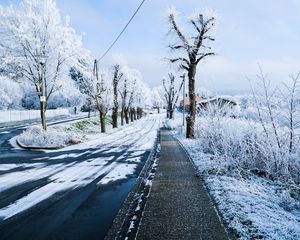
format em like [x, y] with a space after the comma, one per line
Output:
[59, 136]
[253, 207]
[53, 137]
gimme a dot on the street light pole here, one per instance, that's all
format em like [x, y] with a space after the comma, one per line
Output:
[42, 61]
[43, 97]
[183, 98]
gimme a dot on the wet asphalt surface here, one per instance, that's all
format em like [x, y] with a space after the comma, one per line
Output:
[83, 211]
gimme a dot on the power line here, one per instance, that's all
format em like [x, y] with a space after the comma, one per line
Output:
[114, 42]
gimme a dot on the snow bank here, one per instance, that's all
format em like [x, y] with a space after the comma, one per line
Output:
[61, 135]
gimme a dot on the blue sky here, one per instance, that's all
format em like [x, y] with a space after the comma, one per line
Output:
[249, 32]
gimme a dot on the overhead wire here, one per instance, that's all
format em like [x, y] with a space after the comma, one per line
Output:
[123, 30]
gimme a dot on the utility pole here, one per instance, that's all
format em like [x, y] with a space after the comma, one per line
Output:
[44, 95]
[183, 98]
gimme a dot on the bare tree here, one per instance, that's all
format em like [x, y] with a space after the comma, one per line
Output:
[117, 77]
[191, 51]
[171, 95]
[101, 93]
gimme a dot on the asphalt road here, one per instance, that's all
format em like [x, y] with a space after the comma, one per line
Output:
[73, 193]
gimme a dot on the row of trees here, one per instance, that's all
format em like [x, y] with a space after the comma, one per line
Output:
[38, 48]
[121, 90]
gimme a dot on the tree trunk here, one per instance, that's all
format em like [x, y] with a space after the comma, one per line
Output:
[43, 115]
[190, 120]
[137, 113]
[126, 116]
[158, 110]
[171, 114]
[132, 114]
[141, 112]
[122, 116]
[115, 109]
[102, 122]
[115, 117]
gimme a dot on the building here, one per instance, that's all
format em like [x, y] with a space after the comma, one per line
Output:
[186, 103]
[202, 103]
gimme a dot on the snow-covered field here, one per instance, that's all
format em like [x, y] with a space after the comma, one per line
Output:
[107, 158]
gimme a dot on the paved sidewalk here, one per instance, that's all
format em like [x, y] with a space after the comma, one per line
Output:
[178, 206]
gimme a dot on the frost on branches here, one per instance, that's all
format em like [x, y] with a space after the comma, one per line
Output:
[32, 31]
[250, 162]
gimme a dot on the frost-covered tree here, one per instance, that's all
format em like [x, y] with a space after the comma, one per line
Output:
[129, 112]
[10, 94]
[172, 90]
[142, 98]
[123, 91]
[100, 90]
[190, 50]
[81, 77]
[39, 44]
[130, 91]
[157, 96]
[117, 76]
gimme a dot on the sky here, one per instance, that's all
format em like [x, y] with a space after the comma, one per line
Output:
[249, 33]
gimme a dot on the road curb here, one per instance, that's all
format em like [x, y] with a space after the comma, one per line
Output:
[122, 226]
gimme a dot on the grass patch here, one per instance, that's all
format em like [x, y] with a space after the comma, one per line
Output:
[108, 120]
[85, 125]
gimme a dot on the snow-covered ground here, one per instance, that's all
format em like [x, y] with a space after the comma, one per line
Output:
[106, 158]
[254, 207]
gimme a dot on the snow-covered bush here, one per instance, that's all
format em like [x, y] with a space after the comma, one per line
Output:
[37, 137]
[242, 144]
[264, 138]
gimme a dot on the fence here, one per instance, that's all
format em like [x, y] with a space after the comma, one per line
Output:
[23, 115]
